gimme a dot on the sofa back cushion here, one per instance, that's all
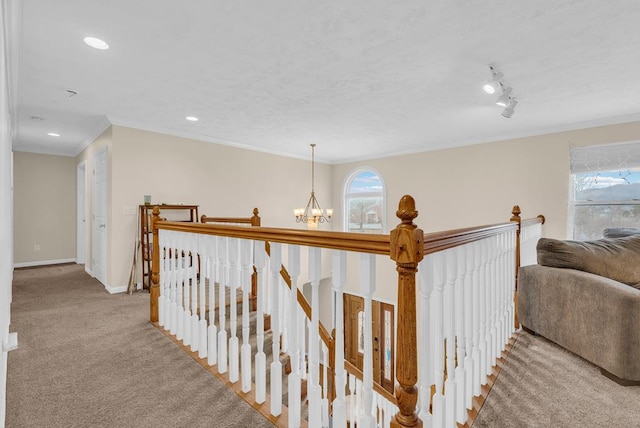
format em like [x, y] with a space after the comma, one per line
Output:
[619, 232]
[615, 258]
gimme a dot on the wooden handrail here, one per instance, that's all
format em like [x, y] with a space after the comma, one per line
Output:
[376, 386]
[253, 221]
[374, 244]
[529, 221]
[438, 241]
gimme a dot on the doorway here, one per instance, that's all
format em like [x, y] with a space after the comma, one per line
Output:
[383, 328]
[81, 213]
[99, 217]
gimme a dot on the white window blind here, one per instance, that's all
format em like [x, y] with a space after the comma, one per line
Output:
[605, 188]
[605, 158]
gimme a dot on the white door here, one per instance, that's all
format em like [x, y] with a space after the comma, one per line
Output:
[99, 229]
[81, 216]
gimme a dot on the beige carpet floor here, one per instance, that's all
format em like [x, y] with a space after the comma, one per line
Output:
[543, 385]
[90, 359]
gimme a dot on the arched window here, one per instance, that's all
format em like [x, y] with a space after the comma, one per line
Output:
[364, 202]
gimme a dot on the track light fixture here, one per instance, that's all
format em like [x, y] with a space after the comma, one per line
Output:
[492, 85]
[508, 112]
[503, 100]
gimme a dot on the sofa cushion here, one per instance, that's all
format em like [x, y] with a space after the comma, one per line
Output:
[615, 258]
[619, 232]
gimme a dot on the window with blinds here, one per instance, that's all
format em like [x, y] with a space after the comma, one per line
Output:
[605, 188]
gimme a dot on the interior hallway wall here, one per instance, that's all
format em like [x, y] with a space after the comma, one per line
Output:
[44, 209]
[222, 180]
[479, 184]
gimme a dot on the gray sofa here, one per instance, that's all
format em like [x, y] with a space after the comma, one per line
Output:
[585, 296]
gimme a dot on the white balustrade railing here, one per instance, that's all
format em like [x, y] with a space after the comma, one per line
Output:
[466, 312]
[205, 278]
[381, 410]
[465, 319]
[529, 235]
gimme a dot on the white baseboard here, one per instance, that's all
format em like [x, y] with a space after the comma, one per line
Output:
[114, 290]
[111, 290]
[43, 263]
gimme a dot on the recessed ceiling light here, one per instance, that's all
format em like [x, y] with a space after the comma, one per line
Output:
[53, 134]
[96, 43]
[191, 118]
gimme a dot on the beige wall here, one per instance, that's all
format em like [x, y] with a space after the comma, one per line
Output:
[223, 180]
[44, 208]
[479, 184]
[453, 188]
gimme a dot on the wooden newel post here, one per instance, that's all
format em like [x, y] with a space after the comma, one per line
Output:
[154, 290]
[407, 249]
[516, 218]
[255, 218]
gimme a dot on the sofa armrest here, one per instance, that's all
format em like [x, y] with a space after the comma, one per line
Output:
[592, 316]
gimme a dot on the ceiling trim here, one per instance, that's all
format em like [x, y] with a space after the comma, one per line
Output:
[210, 139]
[97, 131]
[576, 126]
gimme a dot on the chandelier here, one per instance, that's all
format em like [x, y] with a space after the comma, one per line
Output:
[312, 214]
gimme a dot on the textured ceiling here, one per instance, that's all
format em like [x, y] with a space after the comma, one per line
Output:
[361, 79]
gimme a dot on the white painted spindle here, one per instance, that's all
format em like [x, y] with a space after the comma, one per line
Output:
[460, 315]
[246, 262]
[425, 340]
[313, 386]
[339, 278]
[260, 257]
[437, 304]
[367, 288]
[234, 281]
[294, 381]
[212, 331]
[223, 283]
[201, 262]
[276, 366]
[163, 279]
[448, 333]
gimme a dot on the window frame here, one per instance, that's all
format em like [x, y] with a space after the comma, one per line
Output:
[346, 196]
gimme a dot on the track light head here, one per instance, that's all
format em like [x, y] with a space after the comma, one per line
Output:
[508, 112]
[503, 100]
[492, 85]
